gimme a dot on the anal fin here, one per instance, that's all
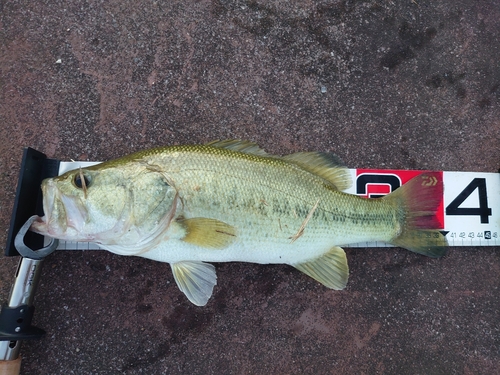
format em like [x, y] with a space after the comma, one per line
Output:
[330, 269]
[195, 279]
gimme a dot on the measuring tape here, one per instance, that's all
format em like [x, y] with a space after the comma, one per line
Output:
[469, 211]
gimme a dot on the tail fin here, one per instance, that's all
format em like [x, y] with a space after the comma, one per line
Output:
[419, 200]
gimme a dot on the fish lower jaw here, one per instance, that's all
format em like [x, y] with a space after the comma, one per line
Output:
[40, 226]
[46, 227]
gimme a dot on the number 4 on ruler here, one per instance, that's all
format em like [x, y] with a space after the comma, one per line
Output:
[483, 210]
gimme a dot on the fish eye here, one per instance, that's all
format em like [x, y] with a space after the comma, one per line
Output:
[82, 184]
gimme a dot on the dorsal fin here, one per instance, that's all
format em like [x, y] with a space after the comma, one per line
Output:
[325, 165]
[328, 166]
[246, 147]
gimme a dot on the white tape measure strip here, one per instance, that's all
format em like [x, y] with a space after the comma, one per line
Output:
[471, 206]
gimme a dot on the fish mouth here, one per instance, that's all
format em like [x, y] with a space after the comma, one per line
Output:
[42, 224]
[64, 217]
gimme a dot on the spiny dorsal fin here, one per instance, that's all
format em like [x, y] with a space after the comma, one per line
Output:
[246, 147]
[208, 233]
[330, 269]
[325, 165]
[195, 279]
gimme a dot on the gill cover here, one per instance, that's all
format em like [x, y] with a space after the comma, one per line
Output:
[125, 209]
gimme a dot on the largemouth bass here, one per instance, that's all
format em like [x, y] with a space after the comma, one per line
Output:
[231, 201]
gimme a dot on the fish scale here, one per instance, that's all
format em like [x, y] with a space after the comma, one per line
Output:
[267, 182]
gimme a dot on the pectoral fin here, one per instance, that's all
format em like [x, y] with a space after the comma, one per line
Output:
[330, 269]
[196, 280]
[209, 233]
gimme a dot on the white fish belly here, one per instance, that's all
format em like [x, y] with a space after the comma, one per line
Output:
[270, 250]
[264, 252]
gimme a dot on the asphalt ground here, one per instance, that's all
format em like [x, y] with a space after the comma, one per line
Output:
[383, 84]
